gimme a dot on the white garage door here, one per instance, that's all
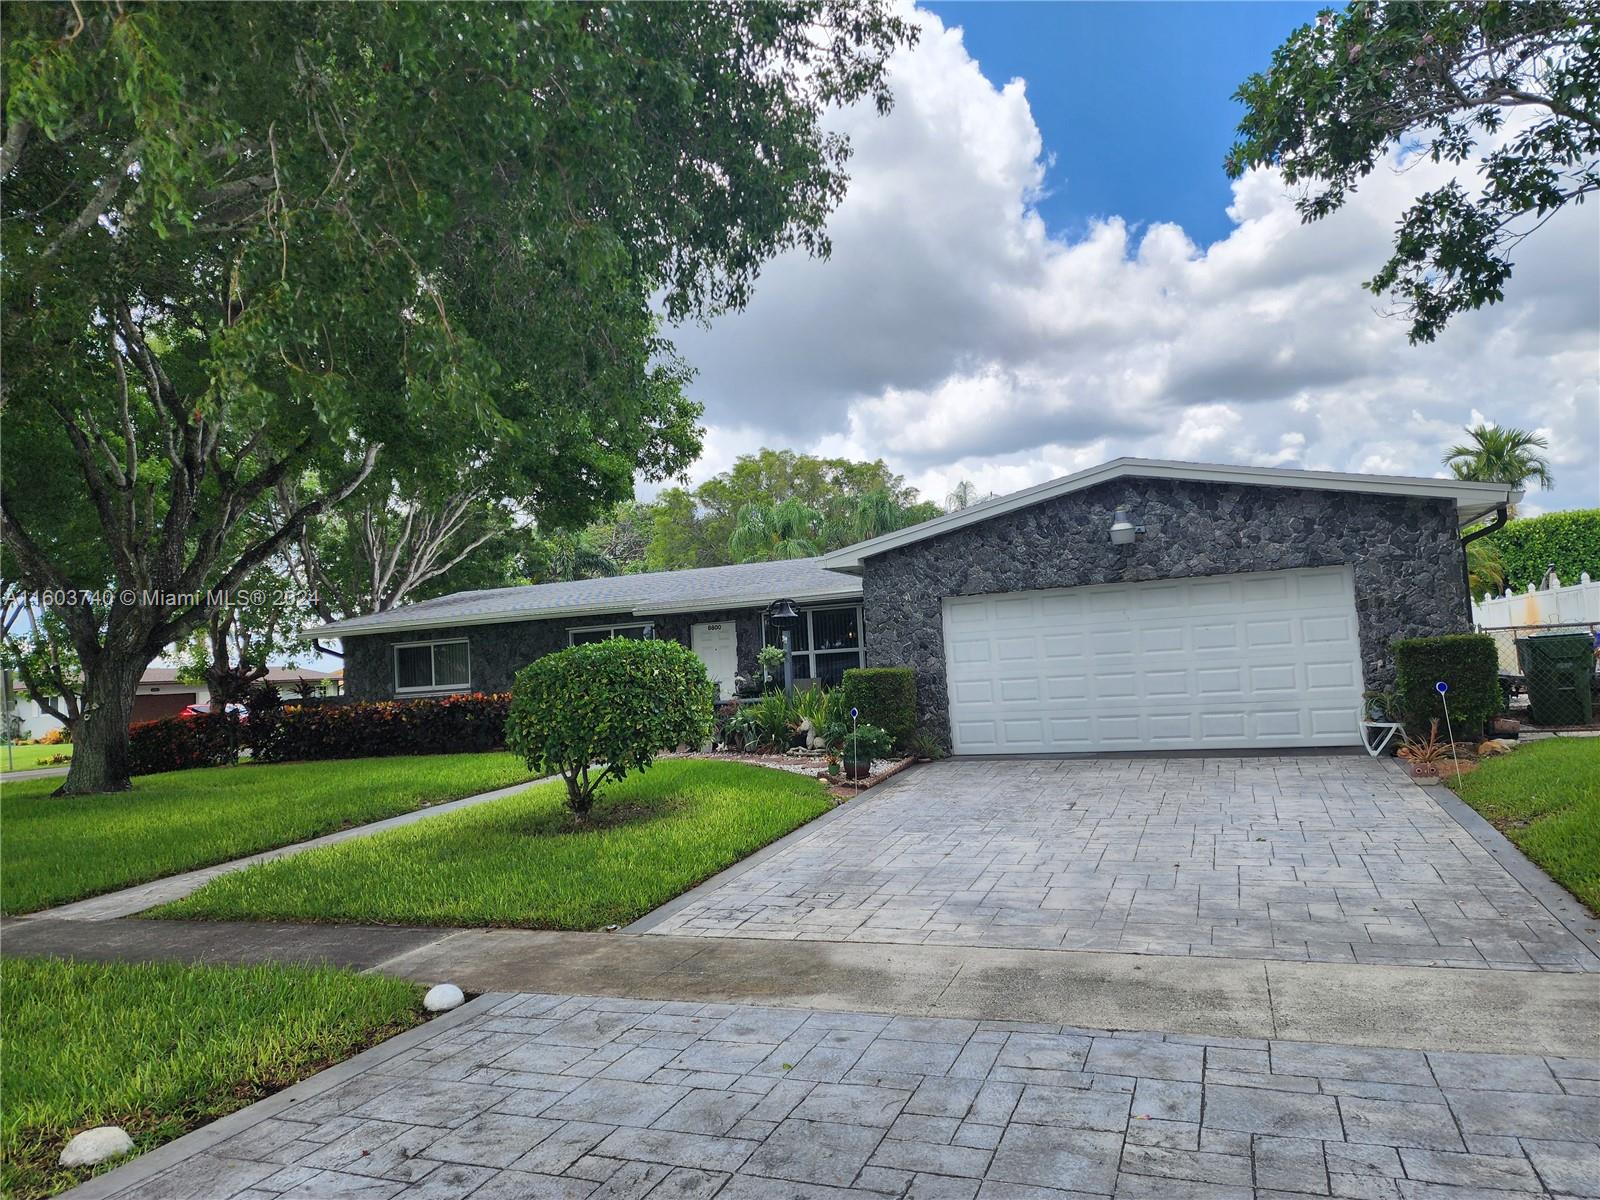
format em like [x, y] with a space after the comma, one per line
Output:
[1226, 661]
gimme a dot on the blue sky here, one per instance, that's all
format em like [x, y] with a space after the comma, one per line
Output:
[1133, 100]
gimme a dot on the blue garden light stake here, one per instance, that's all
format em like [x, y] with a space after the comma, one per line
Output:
[1442, 687]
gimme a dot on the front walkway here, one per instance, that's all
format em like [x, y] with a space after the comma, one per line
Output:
[541, 1096]
[1320, 858]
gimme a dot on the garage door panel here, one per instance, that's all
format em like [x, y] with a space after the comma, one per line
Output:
[1224, 662]
[1325, 629]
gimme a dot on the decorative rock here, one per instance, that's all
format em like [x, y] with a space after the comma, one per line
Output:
[442, 998]
[96, 1146]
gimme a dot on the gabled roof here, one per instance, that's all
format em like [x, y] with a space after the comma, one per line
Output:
[655, 593]
[1472, 500]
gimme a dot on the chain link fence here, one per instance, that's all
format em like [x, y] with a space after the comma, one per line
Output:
[1548, 673]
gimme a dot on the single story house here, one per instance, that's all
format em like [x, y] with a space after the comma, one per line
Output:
[161, 694]
[1138, 605]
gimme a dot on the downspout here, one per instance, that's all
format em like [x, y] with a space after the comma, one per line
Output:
[1466, 575]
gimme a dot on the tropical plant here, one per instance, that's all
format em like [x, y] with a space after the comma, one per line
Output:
[775, 721]
[1425, 754]
[1352, 87]
[923, 743]
[737, 728]
[766, 532]
[1496, 455]
[1486, 574]
[598, 711]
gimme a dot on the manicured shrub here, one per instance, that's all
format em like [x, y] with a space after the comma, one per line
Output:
[598, 711]
[1569, 540]
[885, 697]
[178, 743]
[461, 724]
[1467, 662]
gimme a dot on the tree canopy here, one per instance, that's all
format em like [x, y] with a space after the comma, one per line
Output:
[315, 251]
[1515, 85]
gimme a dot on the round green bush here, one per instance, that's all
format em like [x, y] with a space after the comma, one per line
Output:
[598, 711]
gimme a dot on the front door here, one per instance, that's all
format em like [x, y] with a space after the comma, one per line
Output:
[717, 645]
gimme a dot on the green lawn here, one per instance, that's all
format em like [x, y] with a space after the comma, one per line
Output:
[55, 850]
[161, 1048]
[31, 758]
[526, 862]
[1545, 797]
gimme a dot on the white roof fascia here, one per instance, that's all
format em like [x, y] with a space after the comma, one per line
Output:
[1473, 500]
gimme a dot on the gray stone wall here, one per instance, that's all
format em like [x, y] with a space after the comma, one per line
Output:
[499, 651]
[1405, 554]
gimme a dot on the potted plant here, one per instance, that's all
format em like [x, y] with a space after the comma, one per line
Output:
[1425, 755]
[861, 745]
[1382, 706]
[770, 660]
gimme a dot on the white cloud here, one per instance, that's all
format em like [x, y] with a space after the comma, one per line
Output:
[953, 335]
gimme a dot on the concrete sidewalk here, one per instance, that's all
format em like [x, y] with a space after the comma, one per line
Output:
[523, 1096]
[142, 896]
[1416, 1008]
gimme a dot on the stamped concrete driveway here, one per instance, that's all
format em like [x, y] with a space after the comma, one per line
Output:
[535, 1097]
[1321, 858]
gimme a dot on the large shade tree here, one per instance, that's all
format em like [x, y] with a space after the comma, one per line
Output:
[1515, 86]
[253, 250]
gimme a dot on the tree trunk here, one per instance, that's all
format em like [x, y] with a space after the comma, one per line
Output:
[100, 741]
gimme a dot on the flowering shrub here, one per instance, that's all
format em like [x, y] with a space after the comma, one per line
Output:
[177, 743]
[449, 725]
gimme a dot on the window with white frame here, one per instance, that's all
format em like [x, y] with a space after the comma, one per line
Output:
[443, 666]
[826, 643]
[601, 633]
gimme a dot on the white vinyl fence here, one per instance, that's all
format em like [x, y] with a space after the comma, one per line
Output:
[1517, 614]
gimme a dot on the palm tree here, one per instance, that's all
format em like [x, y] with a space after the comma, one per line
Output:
[1498, 455]
[964, 495]
[763, 532]
[1486, 574]
[876, 514]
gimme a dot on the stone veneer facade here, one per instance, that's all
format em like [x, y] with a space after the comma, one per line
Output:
[498, 651]
[1405, 553]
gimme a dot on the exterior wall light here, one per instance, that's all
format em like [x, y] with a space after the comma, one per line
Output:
[1123, 530]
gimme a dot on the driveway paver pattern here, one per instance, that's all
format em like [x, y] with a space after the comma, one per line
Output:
[1320, 858]
[606, 1099]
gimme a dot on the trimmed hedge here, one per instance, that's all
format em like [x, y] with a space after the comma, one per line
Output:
[885, 697]
[618, 703]
[449, 725]
[178, 743]
[1570, 540]
[1467, 662]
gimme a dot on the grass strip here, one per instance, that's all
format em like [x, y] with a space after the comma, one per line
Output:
[526, 861]
[67, 848]
[162, 1048]
[1545, 797]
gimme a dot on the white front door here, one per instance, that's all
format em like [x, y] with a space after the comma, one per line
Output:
[717, 644]
[1269, 659]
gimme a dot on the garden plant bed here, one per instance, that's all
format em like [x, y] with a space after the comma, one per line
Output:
[162, 1048]
[526, 861]
[58, 849]
[1545, 798]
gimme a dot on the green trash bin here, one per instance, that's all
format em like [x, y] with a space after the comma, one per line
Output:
[1559, 669]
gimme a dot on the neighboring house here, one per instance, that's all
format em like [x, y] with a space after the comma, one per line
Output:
[160, 694]
[1249, 609]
